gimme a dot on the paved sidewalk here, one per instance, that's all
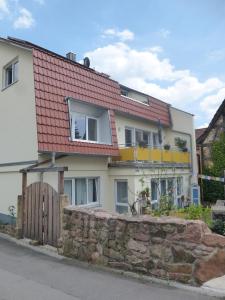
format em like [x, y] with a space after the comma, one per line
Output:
[216, 284]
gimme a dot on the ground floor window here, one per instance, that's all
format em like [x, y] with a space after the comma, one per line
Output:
[170, 187]
[121, 188]
[82, 191]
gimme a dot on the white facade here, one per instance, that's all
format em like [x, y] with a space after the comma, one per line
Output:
[19, 146]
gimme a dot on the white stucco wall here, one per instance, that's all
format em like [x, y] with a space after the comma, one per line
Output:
[18, 132]
[183, 123]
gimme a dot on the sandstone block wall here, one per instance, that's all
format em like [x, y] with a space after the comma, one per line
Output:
[166, 247]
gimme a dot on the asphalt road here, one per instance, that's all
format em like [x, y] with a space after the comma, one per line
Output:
[27, 275]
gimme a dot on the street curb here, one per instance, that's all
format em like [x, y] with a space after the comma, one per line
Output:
[52, 252]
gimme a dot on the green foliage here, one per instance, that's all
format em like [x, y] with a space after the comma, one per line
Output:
[198, 212]
[165, 206]
[214, 190]
[181, 144]
[218, 157]
[218, 226]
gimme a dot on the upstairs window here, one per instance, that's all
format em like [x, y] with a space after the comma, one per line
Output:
[137, 137]
[11, 74]
[84, 128]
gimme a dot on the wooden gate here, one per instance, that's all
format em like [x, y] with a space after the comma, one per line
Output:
[41, 213]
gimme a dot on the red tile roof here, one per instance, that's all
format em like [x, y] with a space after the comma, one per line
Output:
[55, 78]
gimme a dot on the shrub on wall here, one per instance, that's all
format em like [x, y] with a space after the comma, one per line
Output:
[213, 190]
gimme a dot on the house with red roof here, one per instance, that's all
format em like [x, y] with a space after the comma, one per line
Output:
[114, 140]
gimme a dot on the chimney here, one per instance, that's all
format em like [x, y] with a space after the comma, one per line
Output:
[71, 56]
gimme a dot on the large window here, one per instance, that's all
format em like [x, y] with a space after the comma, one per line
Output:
[84, 127]
[121, 187]
[11, 74]
[82, 191]
[163, 187]
[137, 137]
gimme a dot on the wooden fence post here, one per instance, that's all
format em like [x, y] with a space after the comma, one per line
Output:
[63, 202]
[19, 218]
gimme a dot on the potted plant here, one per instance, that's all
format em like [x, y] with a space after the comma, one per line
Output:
[142, 144]
[181, 144]
[167, 146]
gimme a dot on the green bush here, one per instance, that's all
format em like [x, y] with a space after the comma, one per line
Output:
[218, 226]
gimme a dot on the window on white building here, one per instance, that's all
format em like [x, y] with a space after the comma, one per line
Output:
[135, 137]
[163, 187]
[82, 191]
[155, 137]
[84, 127]
[129, 137]
[11, 73]
[121, 188]
[179, 191]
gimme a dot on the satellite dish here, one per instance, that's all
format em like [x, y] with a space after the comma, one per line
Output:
[87, 62]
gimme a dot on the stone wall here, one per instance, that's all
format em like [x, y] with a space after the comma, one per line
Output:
[166, 247]
[8, 229]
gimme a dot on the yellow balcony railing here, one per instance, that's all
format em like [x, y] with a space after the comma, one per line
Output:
[153, 155]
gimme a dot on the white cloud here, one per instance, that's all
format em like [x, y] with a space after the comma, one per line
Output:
[124, 35]
[156, 49]
[145, 71]
[165, 33]
[4, 9]
[211, 103]
[24, 20]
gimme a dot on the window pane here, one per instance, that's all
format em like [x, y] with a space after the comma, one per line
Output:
[80, 191]
[92, 190]
[92, 129]
[68, 189]
[122, 192]
[146, 137]
[9, 75]
[170, 190]
[154, 190]
[128, 137]
[80, 127]
[163, 187]
[155, 139]
[138, 136]
[122, 209]
[15, 73]
[179, 185]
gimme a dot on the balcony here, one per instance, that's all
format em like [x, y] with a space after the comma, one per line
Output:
[154, 155]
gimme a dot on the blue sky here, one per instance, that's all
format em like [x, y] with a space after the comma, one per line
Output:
[173, 50]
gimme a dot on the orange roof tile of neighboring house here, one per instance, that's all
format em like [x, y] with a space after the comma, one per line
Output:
[55, 78]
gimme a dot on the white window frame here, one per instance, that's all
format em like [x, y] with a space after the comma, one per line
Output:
[88, 204]
[6, 67]
[132, 136]
[157, 141]
[119, 203]
[134, 130]
[87, 117]
[158, 180]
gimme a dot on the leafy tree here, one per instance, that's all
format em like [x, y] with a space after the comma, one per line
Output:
[213, 190]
